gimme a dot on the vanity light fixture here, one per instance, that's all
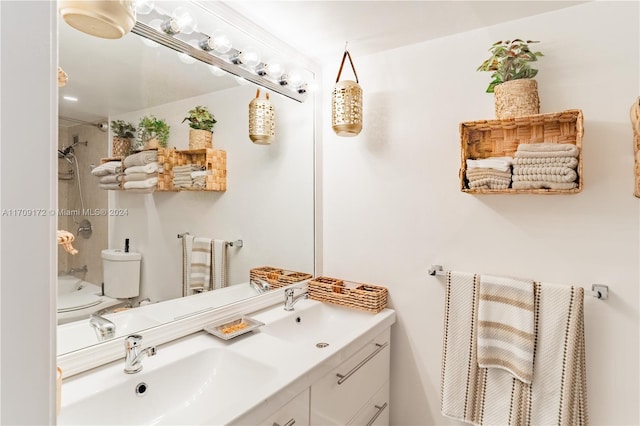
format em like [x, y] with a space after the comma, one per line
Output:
[178, 31]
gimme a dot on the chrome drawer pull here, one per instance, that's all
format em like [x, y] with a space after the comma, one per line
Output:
[290, 422]
[344, 377]
[375, 416]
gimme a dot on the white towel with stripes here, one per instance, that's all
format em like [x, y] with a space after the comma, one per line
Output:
[200, 262]
[492, 396]
[219, 262]
[506, 325]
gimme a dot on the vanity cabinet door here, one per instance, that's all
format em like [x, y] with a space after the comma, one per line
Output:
[295, 412]
[375, 411]
[341, 394]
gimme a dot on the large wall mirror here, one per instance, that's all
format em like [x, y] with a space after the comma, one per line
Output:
[268, 204]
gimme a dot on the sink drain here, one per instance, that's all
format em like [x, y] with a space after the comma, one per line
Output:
[321, 345]
[141, 388]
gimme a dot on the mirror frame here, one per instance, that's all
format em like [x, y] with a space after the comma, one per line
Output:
[80, 360]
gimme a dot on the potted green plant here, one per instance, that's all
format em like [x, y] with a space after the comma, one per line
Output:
[123, 132]
[153, 132]
[515, 90]
[201, 123]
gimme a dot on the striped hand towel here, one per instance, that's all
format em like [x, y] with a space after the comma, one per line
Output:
[492, 396]
[505, 325]
[219, 262]
[200, 276]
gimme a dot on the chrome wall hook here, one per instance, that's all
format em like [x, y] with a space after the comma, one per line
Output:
[600, 291]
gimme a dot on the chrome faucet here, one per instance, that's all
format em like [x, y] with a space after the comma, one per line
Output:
[133, 354]
[290, 300]
[261, 286]
[104, 328]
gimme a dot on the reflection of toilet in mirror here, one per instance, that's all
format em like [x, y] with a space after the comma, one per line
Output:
[77, 299]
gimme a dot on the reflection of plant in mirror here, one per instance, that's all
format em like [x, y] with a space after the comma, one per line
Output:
[510, 61]
[200, 119]
[123, 129]
[150, 127]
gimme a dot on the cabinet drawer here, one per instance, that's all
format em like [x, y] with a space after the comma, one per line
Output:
[375, 412]
[295, 412]
[338, 396]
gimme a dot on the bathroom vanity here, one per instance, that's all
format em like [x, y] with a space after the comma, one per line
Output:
[319, 364]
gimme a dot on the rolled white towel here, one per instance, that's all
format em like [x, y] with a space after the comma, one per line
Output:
[110, 178]
[110, 167]
[141, 184]
[147, 168]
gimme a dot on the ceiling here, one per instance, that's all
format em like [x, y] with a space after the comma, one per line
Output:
[319, 29]
[115, 76]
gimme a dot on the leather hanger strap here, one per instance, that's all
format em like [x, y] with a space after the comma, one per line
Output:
[347, 54]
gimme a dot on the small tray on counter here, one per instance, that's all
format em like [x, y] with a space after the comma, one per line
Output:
[228, 329]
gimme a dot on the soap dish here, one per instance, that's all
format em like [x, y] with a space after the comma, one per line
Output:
[227, 330]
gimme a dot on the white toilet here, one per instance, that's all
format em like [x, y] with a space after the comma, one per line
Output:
[77, 299]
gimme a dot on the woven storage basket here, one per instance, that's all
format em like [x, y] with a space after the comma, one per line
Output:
[277, 277]
[516, 98]
[497, 138]
[365, 297]
[199, 139]
[213, 161]
[121, 146]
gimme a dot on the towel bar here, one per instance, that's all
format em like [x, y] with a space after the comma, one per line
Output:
[599, 291]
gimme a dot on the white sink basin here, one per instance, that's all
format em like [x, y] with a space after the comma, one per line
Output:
[176, 386]
[311, 322]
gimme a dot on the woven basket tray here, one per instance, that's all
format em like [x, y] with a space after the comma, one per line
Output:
[278, 277]
[501, 137]
[365, 297]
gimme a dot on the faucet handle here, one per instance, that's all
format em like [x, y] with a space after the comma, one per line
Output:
[132, 341]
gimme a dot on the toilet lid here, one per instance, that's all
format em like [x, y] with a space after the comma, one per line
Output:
[75, 301]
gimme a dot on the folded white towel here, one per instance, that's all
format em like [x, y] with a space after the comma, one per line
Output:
[110, 178]
[139, 176]
[110, 167]
[506, 325]
[571, 162]
[502, 164]
[543, 185]
[200, 173]
[188, 168]
[489, 183]
[546, 147]
[141, 184]
[109, 185]
[571, 176]
[546, 150]
[147, 168]
[141, 158]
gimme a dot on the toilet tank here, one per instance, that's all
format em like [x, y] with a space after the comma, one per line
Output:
[121, 273]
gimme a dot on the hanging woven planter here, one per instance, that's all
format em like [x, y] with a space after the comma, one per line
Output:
[262, 120]
[346, 103]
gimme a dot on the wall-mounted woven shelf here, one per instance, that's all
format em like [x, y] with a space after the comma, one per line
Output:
[212, 160]
[501, 137]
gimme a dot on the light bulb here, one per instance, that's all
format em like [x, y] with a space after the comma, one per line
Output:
[275, 70]
[181, 21]
[144, 7]
[216, 71]
[295, 78]
[221, 42]
[250, 57]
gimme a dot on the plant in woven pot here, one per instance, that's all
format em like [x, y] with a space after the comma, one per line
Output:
[123, 132]
[515, 90]
[153, 132]
[201, 123]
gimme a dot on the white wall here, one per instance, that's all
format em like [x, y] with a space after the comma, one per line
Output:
[268, 202]
[392, 206]
[28, 105]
